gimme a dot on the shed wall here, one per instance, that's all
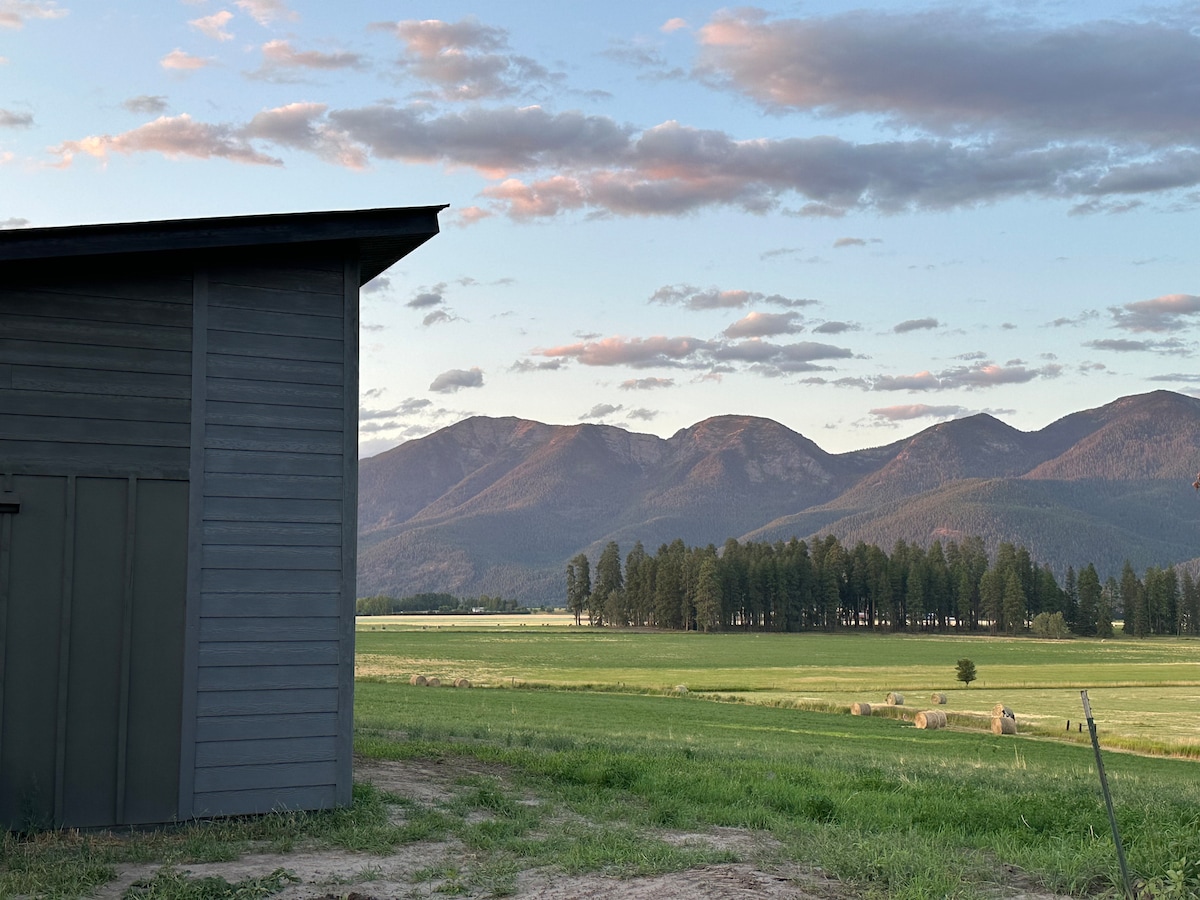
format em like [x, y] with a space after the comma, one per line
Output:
[269, 693]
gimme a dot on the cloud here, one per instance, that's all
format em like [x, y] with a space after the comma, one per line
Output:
[1187, 378]
[1171, 312]
[13, 222]
[1125, 345]
[408, 407]
[264, 12]
[178, 60]
[836, 327]
[646, 384]
[523, 366]
[427, 297]
[600, 411]
[916, 411]
[453, 380]
[1086, 316]
[437, 317]
[15, 13]
[300, 126]
[643, 414]
[377, 285]
[950, 71]
[146, 104]
[694, 298]
[214, 26]
[980, 375]
[635, 352]
[173, 137]
[466, 60]
[758, 324]
[916, 325]
[672, 25]
[279, 57]
[849, 242]
[10, 119]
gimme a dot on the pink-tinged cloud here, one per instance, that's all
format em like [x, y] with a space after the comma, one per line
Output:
[303, 126]
[964, 70]
[673, 25]
[635, 352]
[540, 200]
[1171, 312]
[279, 54]
[470, 215]
[466, 60]
[916, 411]
[646, 384]
[15, 13]
[180, 61]
[214, 26]
[453, 380]
[757, 324]
[264, 12]
[173, 137]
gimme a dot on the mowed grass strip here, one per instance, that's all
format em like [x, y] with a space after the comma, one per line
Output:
[896, 811]
[1143, 692]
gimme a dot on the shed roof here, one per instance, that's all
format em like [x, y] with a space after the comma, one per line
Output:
[382, 236]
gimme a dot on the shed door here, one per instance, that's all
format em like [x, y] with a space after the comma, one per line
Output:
[92, 581]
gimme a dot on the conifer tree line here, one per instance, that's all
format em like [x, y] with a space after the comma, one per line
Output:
[824, 586]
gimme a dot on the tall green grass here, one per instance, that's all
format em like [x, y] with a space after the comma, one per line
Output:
[896, 811]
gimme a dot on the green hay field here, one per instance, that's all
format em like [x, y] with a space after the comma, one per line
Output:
[1144, 693]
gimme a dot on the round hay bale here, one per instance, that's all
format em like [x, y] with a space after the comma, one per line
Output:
[930, 719]
[938, 698]
[895, 698]
[462, 682]
[1001, 710]
[1003, 725]
[434, 681]
[418, 680]
[860, 709]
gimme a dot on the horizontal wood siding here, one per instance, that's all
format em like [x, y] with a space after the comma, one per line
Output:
[95, 375]
[272, 528]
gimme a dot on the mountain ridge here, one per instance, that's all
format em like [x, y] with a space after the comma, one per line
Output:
[498, 505]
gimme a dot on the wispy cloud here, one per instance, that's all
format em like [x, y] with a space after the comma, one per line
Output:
[15, 13]
[646, 384]
[264, 12]
[1172, 346]
[13, 222]
[466, 60]
[916, 411]
[980, 375]
[426, 297]
[600, 411]
[214, 26]
[146, 104]
[694, 298]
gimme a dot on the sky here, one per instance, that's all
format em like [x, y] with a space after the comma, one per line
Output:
[855, 220]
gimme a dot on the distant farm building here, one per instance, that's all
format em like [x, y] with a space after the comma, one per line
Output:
[178, 495]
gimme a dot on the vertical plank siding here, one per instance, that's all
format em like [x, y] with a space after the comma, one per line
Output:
[272, 525]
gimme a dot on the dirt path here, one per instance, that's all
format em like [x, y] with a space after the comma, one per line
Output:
[405, 873]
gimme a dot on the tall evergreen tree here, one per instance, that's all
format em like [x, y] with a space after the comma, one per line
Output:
[579, 586]
[708, 594]
[1015, 603]
[1089, 601]
[1133, 602]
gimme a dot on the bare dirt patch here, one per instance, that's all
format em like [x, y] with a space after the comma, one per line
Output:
[431, 869]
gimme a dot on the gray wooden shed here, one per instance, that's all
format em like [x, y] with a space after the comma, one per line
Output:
[178, 507]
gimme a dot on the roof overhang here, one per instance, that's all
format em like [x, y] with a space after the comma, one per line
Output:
[380, 236]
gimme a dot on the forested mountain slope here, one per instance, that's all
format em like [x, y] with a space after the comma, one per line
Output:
[498, 506]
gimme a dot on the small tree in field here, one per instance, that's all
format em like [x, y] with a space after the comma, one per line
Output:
[965, 672]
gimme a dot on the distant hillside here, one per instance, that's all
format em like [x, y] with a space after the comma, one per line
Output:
[498, 506]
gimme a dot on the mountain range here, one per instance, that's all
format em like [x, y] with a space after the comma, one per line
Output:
[498, 505]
